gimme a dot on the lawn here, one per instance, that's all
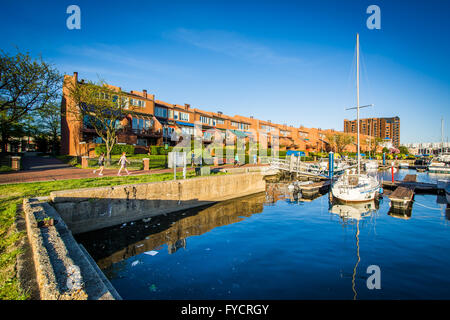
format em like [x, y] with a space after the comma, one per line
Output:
[11, 196]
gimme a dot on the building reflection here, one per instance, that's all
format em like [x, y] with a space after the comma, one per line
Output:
[112, 245]
[283, 191]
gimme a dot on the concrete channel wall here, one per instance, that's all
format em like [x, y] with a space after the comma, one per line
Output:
[64, 270]
[95, 208]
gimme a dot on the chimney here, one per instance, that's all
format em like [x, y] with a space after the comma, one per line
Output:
[75, 75]
[187, 106]
[219, 112]
[145, 93]
[251, 117]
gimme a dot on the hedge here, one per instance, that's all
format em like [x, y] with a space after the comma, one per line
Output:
[117, 149]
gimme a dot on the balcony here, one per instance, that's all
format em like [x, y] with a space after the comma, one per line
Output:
[150, 132]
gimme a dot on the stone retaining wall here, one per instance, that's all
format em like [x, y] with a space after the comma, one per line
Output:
[94, 208]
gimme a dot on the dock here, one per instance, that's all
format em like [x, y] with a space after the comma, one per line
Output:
[402, 198]
[314, 188]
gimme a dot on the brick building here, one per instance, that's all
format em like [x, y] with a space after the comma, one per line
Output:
[154, 122]
[376, 127]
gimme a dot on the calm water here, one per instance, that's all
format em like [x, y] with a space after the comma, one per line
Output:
[269, 246]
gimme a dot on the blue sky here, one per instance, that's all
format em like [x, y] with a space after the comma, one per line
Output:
[289, 62]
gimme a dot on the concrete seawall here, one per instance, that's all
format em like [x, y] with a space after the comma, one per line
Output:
[64, 271]
[94, 208]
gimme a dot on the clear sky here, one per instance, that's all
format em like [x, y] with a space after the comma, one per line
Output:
[289, 62]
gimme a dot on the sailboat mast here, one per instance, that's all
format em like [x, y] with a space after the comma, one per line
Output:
[442, 134]
[357, 95]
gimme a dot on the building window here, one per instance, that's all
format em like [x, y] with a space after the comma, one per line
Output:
[220, 121]
[161, 112]
[184, 116]
[141, 142]
[97, 140]
[137, 103]
[205, 120]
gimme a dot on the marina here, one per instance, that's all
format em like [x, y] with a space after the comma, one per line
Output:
[300, 247]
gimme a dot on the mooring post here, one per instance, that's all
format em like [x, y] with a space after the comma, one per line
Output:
[392, 172]
[330, 164]
[384, 158]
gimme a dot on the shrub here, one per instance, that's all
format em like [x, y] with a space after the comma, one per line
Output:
[117, 149]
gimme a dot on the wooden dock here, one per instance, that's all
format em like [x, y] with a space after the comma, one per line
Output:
[402, 197]
[313, 188]
[419, 187]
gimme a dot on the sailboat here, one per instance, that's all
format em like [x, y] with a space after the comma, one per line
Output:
[354, 186]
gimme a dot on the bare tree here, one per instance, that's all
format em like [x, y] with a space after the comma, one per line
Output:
[339, 141]
[99, 107]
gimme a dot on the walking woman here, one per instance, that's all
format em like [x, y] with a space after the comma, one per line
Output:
[101, 164]
[123, 163]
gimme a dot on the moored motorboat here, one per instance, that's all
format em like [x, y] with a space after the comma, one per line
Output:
[439, 167]
[403, 165]
[371, 165]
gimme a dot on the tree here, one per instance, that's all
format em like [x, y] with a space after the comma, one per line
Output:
[403, 150]
[99, 107]
[385, 150]
[26, 86]
[50, 124]
[339, 141]
[376, 143]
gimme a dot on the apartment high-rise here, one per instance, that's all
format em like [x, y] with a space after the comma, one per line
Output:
[376, 127]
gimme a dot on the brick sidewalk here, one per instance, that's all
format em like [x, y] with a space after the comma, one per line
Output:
[53, 171]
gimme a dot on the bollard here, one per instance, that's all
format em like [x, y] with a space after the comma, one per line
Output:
[15, 163]
[384, 158]
[146, 164]
[392, 172]
[84, 162]
[330, 164]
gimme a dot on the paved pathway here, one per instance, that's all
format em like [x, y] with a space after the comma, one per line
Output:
[50, 169]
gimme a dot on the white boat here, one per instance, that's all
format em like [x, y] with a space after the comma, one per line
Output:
[355, 186]
[439, 167]
[443, 157]
[403, 165]
[371, 165]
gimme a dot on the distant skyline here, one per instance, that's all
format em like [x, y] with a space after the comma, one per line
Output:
[288, 62]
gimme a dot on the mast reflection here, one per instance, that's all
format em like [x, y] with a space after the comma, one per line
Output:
[354, 213]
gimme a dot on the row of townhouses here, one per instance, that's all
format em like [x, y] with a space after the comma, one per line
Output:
[153, 122]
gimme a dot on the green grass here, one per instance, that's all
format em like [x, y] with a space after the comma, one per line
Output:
[11, 196]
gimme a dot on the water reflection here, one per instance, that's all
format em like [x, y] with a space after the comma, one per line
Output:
[350, 213]
[111, 245]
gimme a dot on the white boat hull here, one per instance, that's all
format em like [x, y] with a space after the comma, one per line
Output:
[366, 190]
[439, 168]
